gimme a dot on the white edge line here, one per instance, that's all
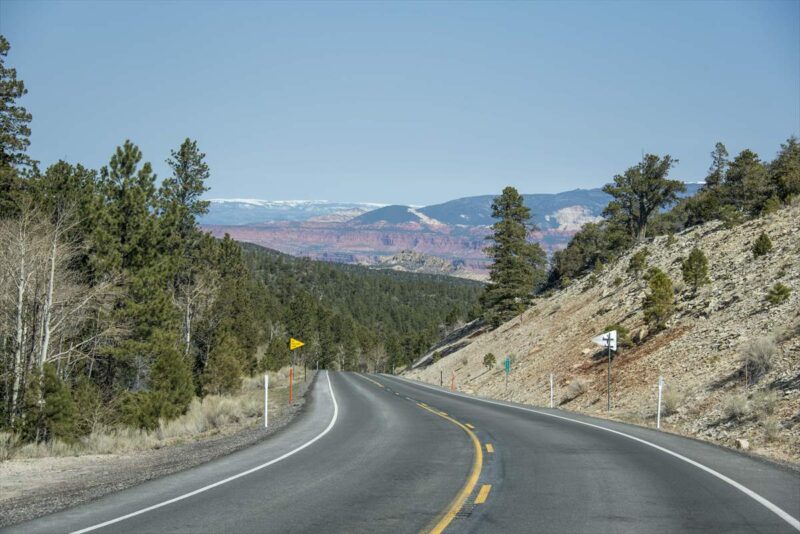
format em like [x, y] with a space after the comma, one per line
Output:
[793, 521]
[225, 480]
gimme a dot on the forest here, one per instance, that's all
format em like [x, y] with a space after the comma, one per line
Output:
[112, 296]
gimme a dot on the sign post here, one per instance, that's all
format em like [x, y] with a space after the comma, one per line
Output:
[609, 340]
[508, 368]
[293, 344]
[658, 412]
[551, 390]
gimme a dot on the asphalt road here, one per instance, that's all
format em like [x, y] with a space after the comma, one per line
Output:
[380, 454]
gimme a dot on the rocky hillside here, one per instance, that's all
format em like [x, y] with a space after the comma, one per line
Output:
[699, 354]
[416, 262]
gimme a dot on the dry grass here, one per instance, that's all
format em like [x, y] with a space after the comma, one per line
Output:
[671, 400]
[736, 407]
[209, 415]
[575, 389]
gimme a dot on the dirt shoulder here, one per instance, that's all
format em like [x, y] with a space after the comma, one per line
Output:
[30, 488]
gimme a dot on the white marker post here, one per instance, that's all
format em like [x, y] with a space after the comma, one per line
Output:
[266, 399]
[658, 413]
[551, 390]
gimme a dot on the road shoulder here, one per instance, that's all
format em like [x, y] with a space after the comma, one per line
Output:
[37, 487]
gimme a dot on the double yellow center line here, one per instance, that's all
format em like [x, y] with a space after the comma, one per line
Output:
[477, 464]
[444, 520]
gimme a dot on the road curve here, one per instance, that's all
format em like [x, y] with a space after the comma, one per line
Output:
[377, 453]
[385, 465]
[554, 471]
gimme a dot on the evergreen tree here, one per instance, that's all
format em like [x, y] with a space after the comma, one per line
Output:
[517, 265]
[659, 304]
[14, 133]
[49, 409]
[762, 246]
[170, 379]
[719, 165]
[695, 269]
[179, 196]
[641, 191]
[785, 170]
[747, 184]
[638, 262]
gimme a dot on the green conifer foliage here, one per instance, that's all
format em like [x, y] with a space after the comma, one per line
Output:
[785, 170]
[659, 304]
[518, 266]
[762, 246]
[695, 269]
[638, 262]
[223, 373]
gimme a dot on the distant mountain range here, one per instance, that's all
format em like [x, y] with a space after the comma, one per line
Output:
[374, 234]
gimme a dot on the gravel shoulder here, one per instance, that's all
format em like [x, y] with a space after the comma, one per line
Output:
[31, 488]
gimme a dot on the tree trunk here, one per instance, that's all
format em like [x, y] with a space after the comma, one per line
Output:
[48, 303]
[18, 371]
[187, 325]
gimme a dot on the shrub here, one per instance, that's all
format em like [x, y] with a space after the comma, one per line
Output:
[730, 216]
[489, 360]
[170, 379]
[756, 357]
[90, 410]
[436, 356]
[772, 428]
[464, 361]
[764, 402]
[223, 373]
[671, 400]
[618, 281]
[772, 205]
[638, 262]
[659, 304]
[575, 389]
[778, 294]
[671, 239]
[762, 246]
[736, 407]
[695, 269]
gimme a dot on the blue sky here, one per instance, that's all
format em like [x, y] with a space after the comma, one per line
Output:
[410, 102]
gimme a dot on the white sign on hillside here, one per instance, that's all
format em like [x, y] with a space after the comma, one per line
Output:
[606, 340]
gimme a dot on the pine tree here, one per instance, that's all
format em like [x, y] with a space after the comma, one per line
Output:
[719, 164]
[762, 246]
[695, 269]
[785, 170]
[518, 266]
[747, 184]
[659, 304]
[641, 191]
[14, 133]
[179, 196]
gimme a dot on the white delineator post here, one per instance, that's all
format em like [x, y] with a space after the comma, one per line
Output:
[658, 412]
[551, 390]
[266, 399]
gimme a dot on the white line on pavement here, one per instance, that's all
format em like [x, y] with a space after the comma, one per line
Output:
[793, 521]
[225, 480]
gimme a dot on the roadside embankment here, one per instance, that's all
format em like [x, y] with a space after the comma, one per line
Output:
[729, 355]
